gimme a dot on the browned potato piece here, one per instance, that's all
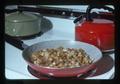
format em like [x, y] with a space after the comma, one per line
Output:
[61, 57]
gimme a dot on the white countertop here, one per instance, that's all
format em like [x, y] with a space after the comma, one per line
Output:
[63, 29]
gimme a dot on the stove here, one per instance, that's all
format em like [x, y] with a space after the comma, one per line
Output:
[55, 29]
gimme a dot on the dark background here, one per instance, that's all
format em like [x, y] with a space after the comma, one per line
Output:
[59, 2]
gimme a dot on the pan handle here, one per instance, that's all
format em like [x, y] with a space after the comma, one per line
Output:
[15, 42]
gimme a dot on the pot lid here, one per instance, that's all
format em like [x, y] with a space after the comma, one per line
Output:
[20, 17]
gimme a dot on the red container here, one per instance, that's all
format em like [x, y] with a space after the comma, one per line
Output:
[99, 32]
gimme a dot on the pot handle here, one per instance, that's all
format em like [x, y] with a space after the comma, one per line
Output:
[90, 7]
[15, 42]
[79, 19]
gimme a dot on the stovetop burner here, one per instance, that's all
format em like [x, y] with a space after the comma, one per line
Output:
[106, 62]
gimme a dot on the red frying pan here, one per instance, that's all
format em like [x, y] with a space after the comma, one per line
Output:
[91, 50]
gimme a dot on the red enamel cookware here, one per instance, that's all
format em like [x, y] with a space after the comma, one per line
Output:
[96, 31]
[95, 54]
